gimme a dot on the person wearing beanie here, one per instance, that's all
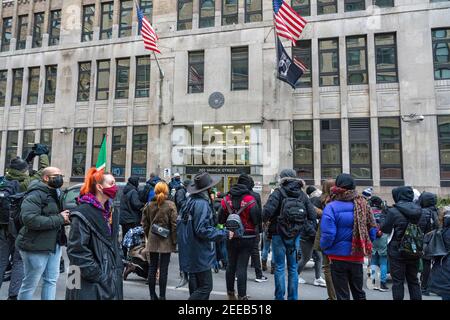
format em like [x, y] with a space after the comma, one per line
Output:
[290, 186]
[367, 193]
[347, 231]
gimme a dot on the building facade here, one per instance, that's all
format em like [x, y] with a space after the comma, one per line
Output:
[374, 102]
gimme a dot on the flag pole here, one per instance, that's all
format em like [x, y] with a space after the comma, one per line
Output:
[161, 72]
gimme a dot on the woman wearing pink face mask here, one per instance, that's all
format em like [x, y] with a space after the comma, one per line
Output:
[93, 246]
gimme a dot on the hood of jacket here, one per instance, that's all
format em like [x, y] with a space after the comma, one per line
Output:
[405, 194]
[292, 186]
[410, 210]
[14, 174]
[38, 185]
[128, 187]
[427, 199]
[239, 190]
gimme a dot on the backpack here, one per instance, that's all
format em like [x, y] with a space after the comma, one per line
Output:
[10, 201]
[293, 216]
[411, 244]
[234, 222]
[143, 193]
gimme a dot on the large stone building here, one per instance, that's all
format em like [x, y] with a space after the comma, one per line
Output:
[73, 70]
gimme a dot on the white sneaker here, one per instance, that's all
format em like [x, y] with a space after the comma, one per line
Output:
[301, 280]
[320, 282]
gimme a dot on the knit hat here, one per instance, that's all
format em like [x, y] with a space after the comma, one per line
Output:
[18, 164]
[246, 180]
[288, 173]
[310, 189]
[345, 181]
[367, 193]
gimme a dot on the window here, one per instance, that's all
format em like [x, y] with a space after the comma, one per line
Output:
[444, 146]
[302, 51]
[79, 152]
[126, 11]
[16, 97]
[3, 81]
[139, 160]
[360, 149]
[441, 53]
[38, 29]
[47, 138]
[119, 148]
[329, 62]
[33, 85]
[386, 58]
[196, 71]
[147, 8]
[207, 12]
[326, 6]
[390, 148]
[122, 78]
[330, 139]
[383, 3]
[50, 84]
[55, 28]
[253, 11]
[28, 142]
[239, 68]
[12, 143]
[6, 33]
[303, 148]
[229, 12]
[22, 27]
[102, 80]
[184, 21]
[106, 20]
[356, 60]
[87, 33]
[302, 7]
[84, 81]
[99, 134]
[354, 5]
[143, 77]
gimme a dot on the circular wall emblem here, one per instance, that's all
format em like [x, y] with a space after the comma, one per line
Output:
[216, 100]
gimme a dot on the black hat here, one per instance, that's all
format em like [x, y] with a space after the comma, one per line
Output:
[202, 181]
[246, 180]
[375, 201]
[18, 164]
[345, 181]
[134, 180]
[310, 189]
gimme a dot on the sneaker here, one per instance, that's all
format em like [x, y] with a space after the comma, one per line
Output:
[383, 287]
[320, 282]
[301, 280]
[261, 279]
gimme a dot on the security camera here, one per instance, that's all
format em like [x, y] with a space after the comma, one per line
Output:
[62, 130]
[420, 118]
[413, 117]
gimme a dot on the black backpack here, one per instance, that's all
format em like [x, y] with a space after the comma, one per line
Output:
[10, 201]
[143, 193]
[293, 216]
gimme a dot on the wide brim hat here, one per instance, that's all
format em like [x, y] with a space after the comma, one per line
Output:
[202, 182]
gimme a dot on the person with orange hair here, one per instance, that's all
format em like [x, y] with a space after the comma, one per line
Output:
[93, 247]
[160, 214]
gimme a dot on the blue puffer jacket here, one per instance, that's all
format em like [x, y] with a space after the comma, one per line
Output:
[337, 229]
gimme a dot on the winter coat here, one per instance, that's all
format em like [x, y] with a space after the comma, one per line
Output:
[403, 212]
[130, 205]
[97, 254]
[440, 273]
[238, 197]
[180, 197]
[272, 208]
[174, 184]
[196, 234]
[23, 177]
[164, 216]
[42, 222]
[337, 229]
[429, 218]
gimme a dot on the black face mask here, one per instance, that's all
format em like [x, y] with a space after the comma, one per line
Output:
[56, 181]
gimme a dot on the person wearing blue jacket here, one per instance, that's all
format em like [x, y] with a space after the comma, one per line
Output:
[348, 229]
[196, 234]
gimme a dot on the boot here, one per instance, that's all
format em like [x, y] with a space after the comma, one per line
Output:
[264, 265]
[231, 295]
[129, 269]
[154, 297]
[243, 298]
[183, 280]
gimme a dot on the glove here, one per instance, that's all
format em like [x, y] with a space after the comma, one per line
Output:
[40, 149]
[30, 156]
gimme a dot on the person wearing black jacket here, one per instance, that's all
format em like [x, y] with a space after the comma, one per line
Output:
[397, 219]
[427, 201]
[286, 248]
[181, 194]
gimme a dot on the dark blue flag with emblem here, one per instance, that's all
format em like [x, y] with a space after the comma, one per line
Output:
[288, 70]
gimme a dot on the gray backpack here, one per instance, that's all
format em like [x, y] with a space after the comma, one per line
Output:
[234, 222]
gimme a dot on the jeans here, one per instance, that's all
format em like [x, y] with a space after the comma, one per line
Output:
[347, 274]
[308, 252]
[401, 270]
[163, 260]
[239, 251]
[446, 298]
[256, 257]
[380, 261]
[7, 248]
[37, 265]
[200, 285]
[221, 251]
[282, 252]
[266, 247]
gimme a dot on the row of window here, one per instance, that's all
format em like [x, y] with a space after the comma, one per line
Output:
[303, 7]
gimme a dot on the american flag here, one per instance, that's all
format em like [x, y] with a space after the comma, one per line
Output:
[300, 64]
[195, 78]
[147, 32]
[288, 23]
